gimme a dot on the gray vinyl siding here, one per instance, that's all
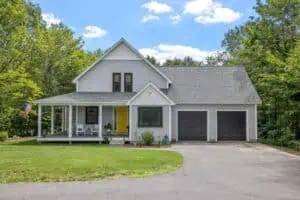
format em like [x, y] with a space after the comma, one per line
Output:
[158, 132]
[107, 116]
[99, 78]
[212, 118]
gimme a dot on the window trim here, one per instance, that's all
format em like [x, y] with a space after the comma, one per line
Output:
[125, 83]
[113, 81]
[86, 114]
[154, 126]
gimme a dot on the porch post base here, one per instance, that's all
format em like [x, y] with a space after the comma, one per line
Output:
[70, 142]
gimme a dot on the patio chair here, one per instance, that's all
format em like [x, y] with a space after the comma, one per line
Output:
[95, 130]
[80, 130]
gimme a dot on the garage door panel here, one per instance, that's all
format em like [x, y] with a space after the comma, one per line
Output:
[231, 125]
[192, 125]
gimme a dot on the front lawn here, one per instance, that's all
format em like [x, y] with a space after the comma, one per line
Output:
[59, 162]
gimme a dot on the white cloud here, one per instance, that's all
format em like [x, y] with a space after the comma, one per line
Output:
[162, 52]
[50, 19]
[147, 18]
[175, 18]
[157, 7]
[94, 32]
[210, 11]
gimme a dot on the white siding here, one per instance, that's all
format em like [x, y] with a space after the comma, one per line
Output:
[158, 132]
[99, 78]
[150, 96]
[122, 52]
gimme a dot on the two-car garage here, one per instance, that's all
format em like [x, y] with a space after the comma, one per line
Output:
[194, 125]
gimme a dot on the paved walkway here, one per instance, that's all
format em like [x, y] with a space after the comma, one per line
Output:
[229, 171]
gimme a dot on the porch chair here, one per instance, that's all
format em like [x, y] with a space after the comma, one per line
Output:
[95, 130]
[80, 130]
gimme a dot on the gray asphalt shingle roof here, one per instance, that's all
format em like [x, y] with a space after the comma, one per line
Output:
[191, 85]
[210, 85]
[89, 97]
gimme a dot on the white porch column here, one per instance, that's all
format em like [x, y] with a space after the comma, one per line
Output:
[130, 123]
[255, 122]
[52, 120]
[70, 121]
[65, 117]
[76, 125]
[100, 121]
[39, 120]
[62, 119]
[170, 123]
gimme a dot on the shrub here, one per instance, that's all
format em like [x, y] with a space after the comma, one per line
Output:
[287, 135]
[148, 137]
[294, 145]
[3, 136]
[105, 140]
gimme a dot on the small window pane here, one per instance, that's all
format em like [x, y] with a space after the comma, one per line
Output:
[128, 82]
[150, 117]
[116, 82]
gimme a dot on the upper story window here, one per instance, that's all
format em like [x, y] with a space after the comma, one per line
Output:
[128, 82]
[116, 82]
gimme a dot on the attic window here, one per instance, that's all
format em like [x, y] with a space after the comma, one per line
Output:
[116, 82]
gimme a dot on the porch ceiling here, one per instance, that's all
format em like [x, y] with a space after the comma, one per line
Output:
[88, 98]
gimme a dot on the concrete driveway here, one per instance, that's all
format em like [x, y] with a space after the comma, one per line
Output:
[211, 171]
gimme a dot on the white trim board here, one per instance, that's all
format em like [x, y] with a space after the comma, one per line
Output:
[155, 88]
[86, 104]
[195, 110]
[233, 110]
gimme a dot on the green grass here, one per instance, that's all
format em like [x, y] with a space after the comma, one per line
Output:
[30, 162]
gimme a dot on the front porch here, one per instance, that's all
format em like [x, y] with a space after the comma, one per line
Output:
[83, 122]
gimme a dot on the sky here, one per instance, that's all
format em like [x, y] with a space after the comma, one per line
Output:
[164, 29]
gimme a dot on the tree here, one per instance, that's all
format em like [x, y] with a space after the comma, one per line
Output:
[220, 59]
[16, 89]
[185, 62]
[34, 58]
[266, 45]
[153, 60]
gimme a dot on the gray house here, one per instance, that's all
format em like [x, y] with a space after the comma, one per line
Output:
[123, 95]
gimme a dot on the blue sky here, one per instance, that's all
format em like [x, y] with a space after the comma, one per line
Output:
[162, 28]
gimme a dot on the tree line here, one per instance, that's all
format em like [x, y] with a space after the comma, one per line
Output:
[39, 61]
[35, 61]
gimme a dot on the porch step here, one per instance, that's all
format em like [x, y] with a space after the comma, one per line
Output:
[117, 141]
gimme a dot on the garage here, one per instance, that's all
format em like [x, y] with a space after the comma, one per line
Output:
[232, 125]
[192, 125]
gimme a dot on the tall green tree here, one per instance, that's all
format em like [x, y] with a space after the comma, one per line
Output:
[34, 58]
[185, 62]
[266, 45]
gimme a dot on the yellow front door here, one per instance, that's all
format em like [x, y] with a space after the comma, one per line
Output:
[122, 119]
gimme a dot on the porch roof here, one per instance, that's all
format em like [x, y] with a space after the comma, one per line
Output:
[88, 98]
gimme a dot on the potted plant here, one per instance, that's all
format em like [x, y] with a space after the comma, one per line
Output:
[108, 128]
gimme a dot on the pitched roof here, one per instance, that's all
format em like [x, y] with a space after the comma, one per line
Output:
[89, 98]
[210, 85]
[151, 85]
[111, 49]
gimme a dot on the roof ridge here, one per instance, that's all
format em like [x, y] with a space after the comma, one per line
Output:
[201, 67]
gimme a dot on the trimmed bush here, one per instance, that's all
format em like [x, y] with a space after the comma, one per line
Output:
[105, 140]
[3, 136]
[148, 138]
[294, 145]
